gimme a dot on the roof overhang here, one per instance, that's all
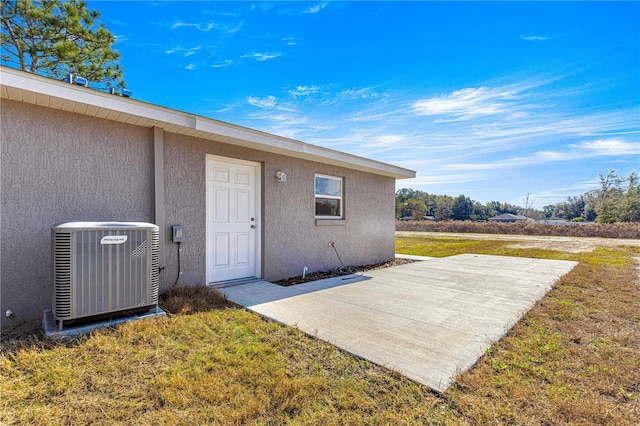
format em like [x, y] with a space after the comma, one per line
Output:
[34, 89]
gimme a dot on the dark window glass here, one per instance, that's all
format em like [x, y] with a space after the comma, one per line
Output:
[327, 207]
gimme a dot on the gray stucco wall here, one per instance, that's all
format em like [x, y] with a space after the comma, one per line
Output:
[58, 166]
[291, 239]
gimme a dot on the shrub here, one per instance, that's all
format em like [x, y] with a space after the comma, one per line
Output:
[609, 230]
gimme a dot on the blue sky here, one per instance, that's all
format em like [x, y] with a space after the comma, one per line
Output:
[491, 100]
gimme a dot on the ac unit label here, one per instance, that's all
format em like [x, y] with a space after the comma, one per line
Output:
[113, 239]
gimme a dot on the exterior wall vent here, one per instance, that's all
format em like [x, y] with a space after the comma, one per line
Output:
[103, 268]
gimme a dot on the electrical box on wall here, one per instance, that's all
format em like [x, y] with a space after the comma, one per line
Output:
[177, 233]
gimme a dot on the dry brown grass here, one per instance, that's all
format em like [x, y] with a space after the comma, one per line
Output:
[613, 230]
[573, 359]
[190, 300]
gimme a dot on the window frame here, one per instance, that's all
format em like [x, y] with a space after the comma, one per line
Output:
[317, 196]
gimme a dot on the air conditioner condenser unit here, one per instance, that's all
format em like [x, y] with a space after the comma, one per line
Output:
[103, 268]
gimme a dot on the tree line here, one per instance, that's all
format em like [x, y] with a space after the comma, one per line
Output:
[617, 199]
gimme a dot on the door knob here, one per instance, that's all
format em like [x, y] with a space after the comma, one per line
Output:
[253, 227]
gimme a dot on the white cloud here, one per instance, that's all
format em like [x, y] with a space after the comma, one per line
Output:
[610, 147]
[232, 30]
[261, 57]
[390, 139]
[364, 93]
[586, 149]
[440, 179]
[224, 63]
[270, 103]
[204, 28]
[315, 9]
[191, 67]
[304, 91]
[364, 116]
[186, 51]
[267, 102]
[531, 37]
[466, 102]
[557, 195]
[471, 134]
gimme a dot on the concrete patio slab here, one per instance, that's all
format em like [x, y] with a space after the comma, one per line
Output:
[428, 320]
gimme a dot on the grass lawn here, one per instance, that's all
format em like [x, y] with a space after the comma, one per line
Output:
[573, 359]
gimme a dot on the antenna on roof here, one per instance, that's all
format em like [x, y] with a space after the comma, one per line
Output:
[76, 79]
[82, 81]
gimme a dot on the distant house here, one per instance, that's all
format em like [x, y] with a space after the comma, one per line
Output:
[252, 204]
[554, 220]
[509, 218]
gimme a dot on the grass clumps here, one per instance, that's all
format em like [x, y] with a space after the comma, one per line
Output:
[219, 366]
[443, 246]
[190, 300]
[573, 359]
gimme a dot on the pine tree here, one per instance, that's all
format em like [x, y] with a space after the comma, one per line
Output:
[58, 37]
[631, 202]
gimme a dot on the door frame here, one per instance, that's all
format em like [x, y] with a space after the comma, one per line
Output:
[258, 206]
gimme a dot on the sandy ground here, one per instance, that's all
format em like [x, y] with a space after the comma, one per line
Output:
[568, 244]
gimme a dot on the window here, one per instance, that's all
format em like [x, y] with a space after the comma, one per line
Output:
[328, 197]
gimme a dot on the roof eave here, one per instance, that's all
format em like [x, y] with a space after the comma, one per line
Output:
[38, 90]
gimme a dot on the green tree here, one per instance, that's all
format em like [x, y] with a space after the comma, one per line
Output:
[404, 194]
[415, 208]
[462, 208]
[399, 207]
[571, 209]
[444, 207]
[548, 210]
[58, 37]
[480, 212]
[589, 214]
[609, 197]
[630, 211]
[501, 208]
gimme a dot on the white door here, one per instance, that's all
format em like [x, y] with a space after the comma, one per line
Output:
[232, 216]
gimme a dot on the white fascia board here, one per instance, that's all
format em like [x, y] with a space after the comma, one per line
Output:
[90, 97]
[297, 149]
[31, 85]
